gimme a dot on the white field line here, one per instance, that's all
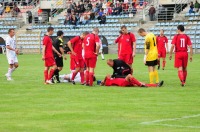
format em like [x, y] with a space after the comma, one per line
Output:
[168, 125]
[169, 119]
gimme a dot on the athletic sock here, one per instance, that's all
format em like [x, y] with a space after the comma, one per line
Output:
[73, 75]
[13, 69]
[151, 85]
[51, 74]
[181, 76]
[9, 72]
[56, 74]
[87, 77]
[45, 75]
[151, 77]
[91, 75]
[135, 81]
[102, 56]
[156, 76]
[163, 64]
[185, 75]
[82, 77]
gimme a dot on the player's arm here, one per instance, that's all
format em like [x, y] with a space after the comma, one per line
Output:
[170, 52]
[117, 40]
[10, 48]
[56, 51]
[43, 51]
[191, 52]
[167, 45]
[97, 48]
[70, 47]
[147, 44]
[134, 48]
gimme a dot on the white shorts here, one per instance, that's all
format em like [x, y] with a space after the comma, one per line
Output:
[12, 60]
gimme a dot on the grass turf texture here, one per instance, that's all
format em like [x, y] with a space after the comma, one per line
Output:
[26, 104]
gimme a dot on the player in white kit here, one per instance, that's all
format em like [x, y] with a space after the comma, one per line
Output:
[11, 53]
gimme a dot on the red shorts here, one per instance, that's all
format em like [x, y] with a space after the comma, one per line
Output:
[91, 62]
[181, 59]
[78, 62]
[49, 62]
[162, 54]
[127, 58]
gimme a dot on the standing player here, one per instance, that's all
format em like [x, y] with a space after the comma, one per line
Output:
[58, 45]
[181, 42]
[47, 56]
[91, 49]
[75, 45]
[127, 46]
[118, 41]
[162, 45]
[151, 54]
[11, 53]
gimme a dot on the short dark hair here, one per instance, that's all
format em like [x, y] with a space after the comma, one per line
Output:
[162, 30]
[60, 33]
[50, 29]
[11, 29]
[85, 33]
[141, 30]
[123, 26]
[181, 28]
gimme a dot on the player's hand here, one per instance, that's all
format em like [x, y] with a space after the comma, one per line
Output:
[73, 53]
[59, 54]
[170, 57]
[133, 54]
[65, 57]
[17, 51]
[145, 57]
[96, 54]
[43, 58]
[191, 59]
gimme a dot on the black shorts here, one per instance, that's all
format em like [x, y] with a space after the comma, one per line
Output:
[59, 61]
[151, 63]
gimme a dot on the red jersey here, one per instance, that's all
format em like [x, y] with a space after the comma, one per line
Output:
[181, 42]
[90, 45]
[117, 82]
[77, 46]
[126, 43]
[161, 41]
[47, 41]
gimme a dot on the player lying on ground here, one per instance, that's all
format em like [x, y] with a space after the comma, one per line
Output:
[181, 42]
[129, 81]
[120, 68]
[68, 77]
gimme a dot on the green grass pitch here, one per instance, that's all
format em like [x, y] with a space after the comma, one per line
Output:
[27, 105]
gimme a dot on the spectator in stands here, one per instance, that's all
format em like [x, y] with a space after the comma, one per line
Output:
[102, 20]
[191, 8]
[72, 20]
[117, 10]
[15, 11]
[196, 6]
[30, 17]
[1, 10]
[89, 6]
[7, 10]
[82, 8]
[152, 12]
[99, 5]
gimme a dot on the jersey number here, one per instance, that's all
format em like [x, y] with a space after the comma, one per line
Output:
[88, 41]
[182, 43]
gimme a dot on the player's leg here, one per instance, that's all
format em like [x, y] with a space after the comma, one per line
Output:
[185, 62]
[133, 80]
[46, 73]
[51, 63]
[179, 64]
[77, 69]
[156, 76]
[159, 55]
[92, 65]
[129, 61]
[151, 74]
[87, 72]
[59, 63]
[185, 74]
[164, 60]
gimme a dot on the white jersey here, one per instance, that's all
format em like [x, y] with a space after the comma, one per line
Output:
[11, 42]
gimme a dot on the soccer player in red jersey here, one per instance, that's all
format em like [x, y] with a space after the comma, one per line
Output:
[47, 56]
[127, 48]
[91, 49]
[117, 41]
[129, 81]
[181, 42]
[162, 45]
[75, 45]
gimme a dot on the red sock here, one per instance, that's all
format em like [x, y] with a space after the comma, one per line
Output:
[151, 85]
[185, 75]
[51, 74]
[91, 75]
[73, 75]
[45, 75]
[87, 77]
[135, 82]
[163, 63]
[82, 77]
[181, 76]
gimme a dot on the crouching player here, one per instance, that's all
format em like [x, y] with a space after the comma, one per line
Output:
[129, 81]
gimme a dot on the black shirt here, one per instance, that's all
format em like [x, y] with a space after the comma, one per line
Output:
[57, 44]
[121, 69]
